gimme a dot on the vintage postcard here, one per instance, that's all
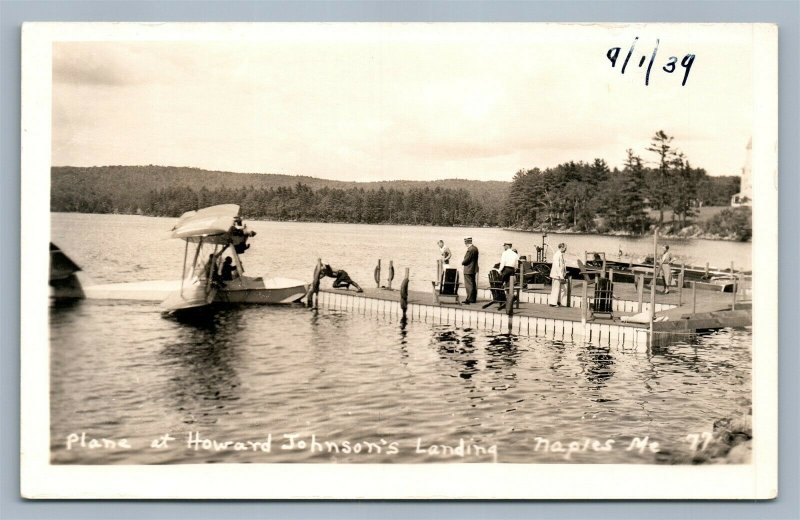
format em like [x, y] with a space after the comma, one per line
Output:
[444, 260]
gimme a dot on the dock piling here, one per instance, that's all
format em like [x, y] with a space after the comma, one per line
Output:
[510, 296]
[377, 274]
[391, 274]
[733, 289]
[313, 292]
[680, 284]
[439, 270]
[569, 292]
[694, 297]
[404, 293]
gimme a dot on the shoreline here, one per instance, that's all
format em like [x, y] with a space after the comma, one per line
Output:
[624, 234]
[567, 231]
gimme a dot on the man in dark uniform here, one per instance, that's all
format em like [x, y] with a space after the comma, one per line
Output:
[341, 279]
[470, 264]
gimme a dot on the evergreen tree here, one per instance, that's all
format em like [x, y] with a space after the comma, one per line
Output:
[658, 192]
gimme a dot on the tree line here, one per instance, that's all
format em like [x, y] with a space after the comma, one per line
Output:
[577, 196]
[437, 206]
[589, 197]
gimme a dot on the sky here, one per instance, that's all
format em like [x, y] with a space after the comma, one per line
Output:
[400, 101]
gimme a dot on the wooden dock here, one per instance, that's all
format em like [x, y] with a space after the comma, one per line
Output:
[533, 317]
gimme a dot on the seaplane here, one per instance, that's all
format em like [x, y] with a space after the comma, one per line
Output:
[210, 234]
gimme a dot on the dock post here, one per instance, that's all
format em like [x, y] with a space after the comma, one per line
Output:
[521, 281]
[391, 274]
[377, 275]
[733, 289]
[680, 284]
[569, 292]
[705, 276]
[510, 296]
[653, 284]
[439, 270]
[640, 290]
[694, 296]
[404, 293]
[312, 298]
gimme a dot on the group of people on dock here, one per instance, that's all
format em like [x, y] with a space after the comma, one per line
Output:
[507, 267]
[509, 263]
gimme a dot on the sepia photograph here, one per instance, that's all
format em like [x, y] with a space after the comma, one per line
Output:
[485, 260]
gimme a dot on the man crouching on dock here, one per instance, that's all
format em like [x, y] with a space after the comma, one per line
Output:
[341, 279]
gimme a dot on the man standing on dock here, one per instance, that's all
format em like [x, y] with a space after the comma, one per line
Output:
[470, 264]
[445, 252]
[508, 262]
[666, 268]
[558, 274]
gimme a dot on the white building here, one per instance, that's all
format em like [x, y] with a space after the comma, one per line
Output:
[745, 195]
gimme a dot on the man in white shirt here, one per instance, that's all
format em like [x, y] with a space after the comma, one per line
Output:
[445, 252]
[508, 262]
[666, 268]
[558, 274]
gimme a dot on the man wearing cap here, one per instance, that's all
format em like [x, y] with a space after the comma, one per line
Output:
[508, 262]
[470, 264]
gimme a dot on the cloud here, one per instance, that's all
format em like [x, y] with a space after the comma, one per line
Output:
[385, 108]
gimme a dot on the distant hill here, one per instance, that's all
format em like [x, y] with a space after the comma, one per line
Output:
[125, 189]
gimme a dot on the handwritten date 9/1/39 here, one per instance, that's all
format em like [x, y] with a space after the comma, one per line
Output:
[671, 65]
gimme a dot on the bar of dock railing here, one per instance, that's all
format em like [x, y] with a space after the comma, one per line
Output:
[584, 302]
[653, 284]
[640, 291]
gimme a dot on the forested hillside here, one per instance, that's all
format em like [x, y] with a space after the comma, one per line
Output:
[573, 196]
[169, 191]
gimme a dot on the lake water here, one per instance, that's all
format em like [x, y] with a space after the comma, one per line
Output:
[293, 385]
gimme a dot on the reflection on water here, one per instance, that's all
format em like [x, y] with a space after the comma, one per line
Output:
[597, 365]
[458, 347]
[253, 373]
[203, 361]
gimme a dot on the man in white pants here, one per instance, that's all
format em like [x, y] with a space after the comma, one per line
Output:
[666, 268]
[558, 274]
